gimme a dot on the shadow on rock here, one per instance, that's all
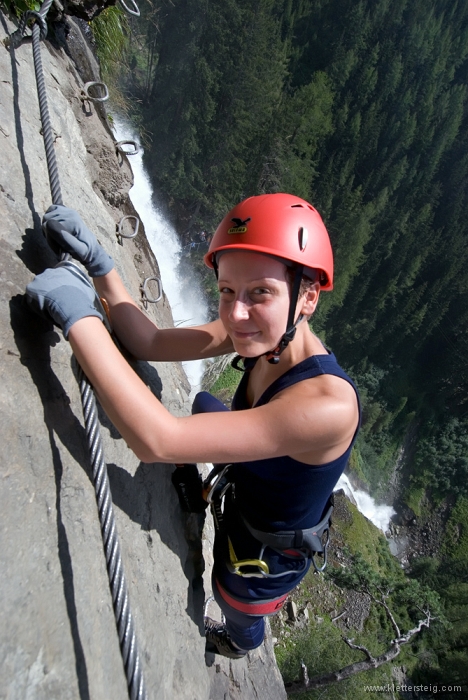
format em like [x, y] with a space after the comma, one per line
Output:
[36, 253]
[149, 499]
[34, 339]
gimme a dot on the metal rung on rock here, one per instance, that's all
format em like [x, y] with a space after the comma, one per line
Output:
[120, 147]
[91, 84]
[121, 235]
[135, 12]
[146, 298]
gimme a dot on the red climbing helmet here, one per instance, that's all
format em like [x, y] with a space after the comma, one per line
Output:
[281, 225]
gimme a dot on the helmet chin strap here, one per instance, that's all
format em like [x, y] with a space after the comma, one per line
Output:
[273, 356]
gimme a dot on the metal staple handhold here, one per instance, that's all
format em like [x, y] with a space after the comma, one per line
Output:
[119, 146]
[135, 12]
[94, 83]
[120, 234]
[144, 291]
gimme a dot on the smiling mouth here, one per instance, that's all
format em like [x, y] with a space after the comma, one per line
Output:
[240, 336]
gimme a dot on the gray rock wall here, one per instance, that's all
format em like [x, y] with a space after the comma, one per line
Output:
[58, 637]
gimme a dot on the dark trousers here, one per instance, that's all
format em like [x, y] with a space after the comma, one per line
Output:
[246, 629]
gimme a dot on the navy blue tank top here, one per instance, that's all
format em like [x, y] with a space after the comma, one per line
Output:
[281, 493]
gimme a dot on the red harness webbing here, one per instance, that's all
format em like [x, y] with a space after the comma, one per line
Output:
[268, 607]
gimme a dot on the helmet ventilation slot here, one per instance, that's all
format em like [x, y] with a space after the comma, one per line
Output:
[303, 237]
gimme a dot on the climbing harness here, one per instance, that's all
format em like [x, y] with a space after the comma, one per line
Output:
[117, 580]
[296, 544]
[255, 608]
[309, 541]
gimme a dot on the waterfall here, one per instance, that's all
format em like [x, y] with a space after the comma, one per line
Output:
[378, 514]
[185, 296]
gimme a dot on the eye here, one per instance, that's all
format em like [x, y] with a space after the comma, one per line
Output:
[261, 290]
[225, 290]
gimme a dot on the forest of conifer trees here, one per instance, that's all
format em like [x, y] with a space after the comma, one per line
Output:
[361, 108]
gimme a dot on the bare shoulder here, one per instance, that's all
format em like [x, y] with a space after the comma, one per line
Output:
[324, 408]
[321, 390]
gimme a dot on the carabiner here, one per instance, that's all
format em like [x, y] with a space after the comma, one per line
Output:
[212, 484]
[238, 563]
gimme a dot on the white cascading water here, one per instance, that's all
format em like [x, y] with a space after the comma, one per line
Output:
[187, 302]
[190, 309]
[379, 515]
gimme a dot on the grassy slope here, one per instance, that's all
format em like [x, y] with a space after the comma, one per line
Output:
[318, 642]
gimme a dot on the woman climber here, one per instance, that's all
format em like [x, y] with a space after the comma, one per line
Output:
[279, 453]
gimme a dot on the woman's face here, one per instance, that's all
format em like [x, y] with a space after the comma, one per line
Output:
[254, 300]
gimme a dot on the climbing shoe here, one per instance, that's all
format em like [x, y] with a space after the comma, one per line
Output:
[188, 484]
[218, 640]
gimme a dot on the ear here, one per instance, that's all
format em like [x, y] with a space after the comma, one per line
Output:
[307, 303]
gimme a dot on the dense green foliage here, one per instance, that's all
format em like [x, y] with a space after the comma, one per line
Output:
[17, 7]
[321, 648]
[448, 575]
[360, 107]
[110, 32]
[360, 561]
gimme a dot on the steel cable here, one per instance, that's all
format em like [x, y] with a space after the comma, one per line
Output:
[115, 571]
[47, 132]
[117, 581]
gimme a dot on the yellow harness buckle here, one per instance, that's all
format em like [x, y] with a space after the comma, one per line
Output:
[237, 564]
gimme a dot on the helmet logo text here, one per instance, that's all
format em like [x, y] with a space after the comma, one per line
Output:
[240, 225]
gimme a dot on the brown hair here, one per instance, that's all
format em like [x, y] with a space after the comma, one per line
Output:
[306, 281]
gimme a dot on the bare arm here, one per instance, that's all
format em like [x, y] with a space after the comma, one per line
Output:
[290, 425]
[145, 341]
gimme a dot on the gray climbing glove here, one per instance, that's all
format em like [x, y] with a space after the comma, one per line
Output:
[63, 296]
[65, 230]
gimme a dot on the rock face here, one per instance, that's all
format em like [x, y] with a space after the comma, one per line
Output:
[58, 638]
[84, 9]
